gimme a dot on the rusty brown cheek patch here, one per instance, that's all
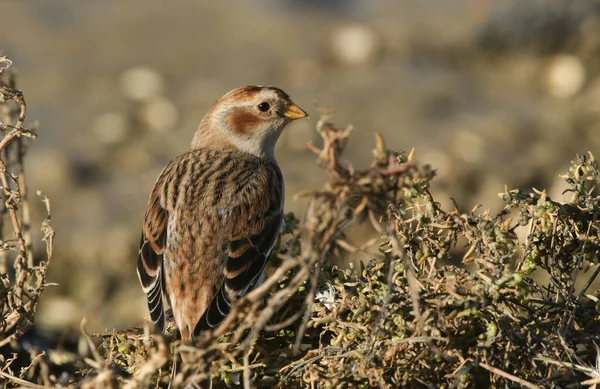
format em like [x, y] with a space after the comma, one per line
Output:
[243, 122]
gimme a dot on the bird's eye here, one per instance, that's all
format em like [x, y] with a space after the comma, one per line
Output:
[264, 106]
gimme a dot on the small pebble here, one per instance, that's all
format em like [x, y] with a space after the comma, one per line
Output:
[110, 128]
[141, 84]
[354, 45]
[565, 76]
[160, 114]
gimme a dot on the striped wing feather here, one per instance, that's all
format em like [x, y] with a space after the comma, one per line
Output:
[244, 265]
[150, 258]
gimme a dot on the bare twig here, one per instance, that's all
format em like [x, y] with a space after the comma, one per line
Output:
[508, 376]
[20, 381]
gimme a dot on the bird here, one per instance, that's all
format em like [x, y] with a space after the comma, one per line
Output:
[215, 211]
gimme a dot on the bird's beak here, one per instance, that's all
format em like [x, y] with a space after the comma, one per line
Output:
[294, 112]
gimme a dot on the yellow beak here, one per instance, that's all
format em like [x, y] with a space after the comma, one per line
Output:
[294, 112]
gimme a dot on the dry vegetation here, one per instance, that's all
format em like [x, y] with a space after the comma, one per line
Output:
[413, 317]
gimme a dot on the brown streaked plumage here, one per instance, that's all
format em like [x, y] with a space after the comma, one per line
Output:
[215, 211]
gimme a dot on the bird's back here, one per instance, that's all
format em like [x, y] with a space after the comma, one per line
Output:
[218, 213]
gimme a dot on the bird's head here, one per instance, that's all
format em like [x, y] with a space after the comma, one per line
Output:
[249, 118]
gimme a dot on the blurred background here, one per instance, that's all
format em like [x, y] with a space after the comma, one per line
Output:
[490, 92]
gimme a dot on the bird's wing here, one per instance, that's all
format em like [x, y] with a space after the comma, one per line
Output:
[254, 221]
[150, 256]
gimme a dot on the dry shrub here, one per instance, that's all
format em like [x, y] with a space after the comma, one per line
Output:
[412, 317]
[21, 278]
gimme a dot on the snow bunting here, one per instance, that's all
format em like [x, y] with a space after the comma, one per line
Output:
[215, 211]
